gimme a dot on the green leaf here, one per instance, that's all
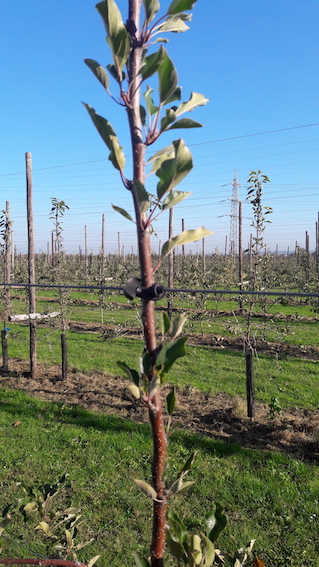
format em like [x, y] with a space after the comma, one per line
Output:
[130, 372]
[216, 522]
[109, 137]
[146, 488]
[5, 521]
[112, 69]
[93, 560]
[183, 238]
[161, 156]
[182, 486]
[161, 40]
[99, 72]
[151, 9]
[178, 324]
[208, 551]
[174, 24]
[143, 115]
[142, 196]
[168, 119]
[170, 402]
[176, 95]
[189, 463]
[150, 106]
[151, 63]
[184, 123]
[169, 353]
[135, 391]
[31, 507]
[176, 548]
[117, 34]
[173, 171]
[196, 99]
[173, 198]
[44, 526]
[165, 323]
[147, 363]
[167, 78]
[177, 529]
[69, 539]
[123, 212]
[180, 5]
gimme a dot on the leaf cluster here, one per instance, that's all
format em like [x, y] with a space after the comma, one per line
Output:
[59, 528]
[172, 164]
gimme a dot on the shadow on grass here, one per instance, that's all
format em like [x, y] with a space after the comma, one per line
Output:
[20, 406]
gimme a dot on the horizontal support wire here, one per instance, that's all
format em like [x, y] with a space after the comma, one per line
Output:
[178, 290]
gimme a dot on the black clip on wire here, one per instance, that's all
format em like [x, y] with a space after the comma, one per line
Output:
[133, 288]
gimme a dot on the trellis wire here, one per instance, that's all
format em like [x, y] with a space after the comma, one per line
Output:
[178, 290]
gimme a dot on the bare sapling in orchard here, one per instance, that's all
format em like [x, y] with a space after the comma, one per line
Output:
[256, 181]
[58, 209]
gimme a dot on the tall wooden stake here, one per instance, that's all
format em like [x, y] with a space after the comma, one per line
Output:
[203, 255]
[31, 266]
[103, 235]
[183, 228]
[7, 267]
[170, 281]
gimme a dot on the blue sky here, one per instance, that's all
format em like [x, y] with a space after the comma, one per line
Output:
[257, 62]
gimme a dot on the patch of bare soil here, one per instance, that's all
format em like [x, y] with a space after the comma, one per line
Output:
[294, 432]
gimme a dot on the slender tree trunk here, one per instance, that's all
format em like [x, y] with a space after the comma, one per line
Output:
[147, 276]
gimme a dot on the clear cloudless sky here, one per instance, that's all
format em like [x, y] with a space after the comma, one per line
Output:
[257, 62]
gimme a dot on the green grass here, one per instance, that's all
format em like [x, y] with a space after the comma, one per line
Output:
[266, 496]
[293, 381]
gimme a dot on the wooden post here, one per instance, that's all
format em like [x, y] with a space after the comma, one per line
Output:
[203, 255]
[308, 257]
[31, 266]
[226, 238]
[12, 252]
[251, 253]
[103, 235]
[52, 249]
[4, 347]
[170, 280]
[183, 228]
[250, 384]
[64, 356]
[7, 265]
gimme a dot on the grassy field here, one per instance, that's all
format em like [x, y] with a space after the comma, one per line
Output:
[266, 496]
[293, 381]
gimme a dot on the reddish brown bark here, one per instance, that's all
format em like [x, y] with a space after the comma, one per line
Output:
[147, 276]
